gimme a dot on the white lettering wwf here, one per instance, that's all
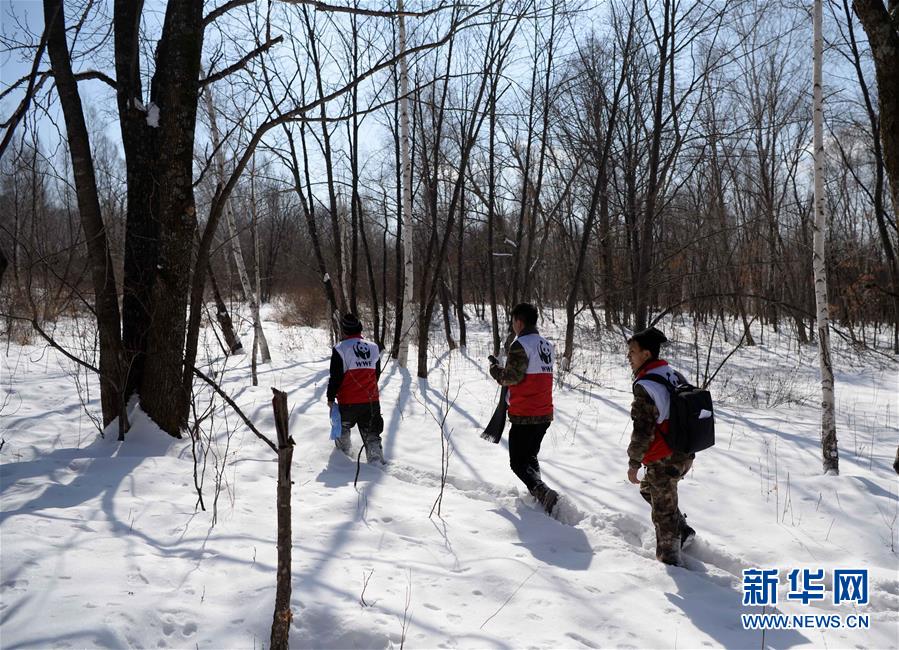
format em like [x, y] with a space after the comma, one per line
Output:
[358, 354]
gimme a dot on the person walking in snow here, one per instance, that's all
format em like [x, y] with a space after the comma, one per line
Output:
[528, 373]
[664, 467]
[355, 369]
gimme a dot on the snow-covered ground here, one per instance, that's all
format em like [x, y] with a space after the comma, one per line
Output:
[102, 545]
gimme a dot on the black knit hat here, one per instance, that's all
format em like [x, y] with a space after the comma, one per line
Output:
[649, 339]
[349, 324]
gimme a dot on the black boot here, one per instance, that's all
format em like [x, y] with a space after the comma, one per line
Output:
[546, 496]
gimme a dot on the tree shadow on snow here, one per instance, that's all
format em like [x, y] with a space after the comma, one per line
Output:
[86, 485]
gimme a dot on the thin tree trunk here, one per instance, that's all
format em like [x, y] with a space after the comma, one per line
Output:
[223, 317]
[372, 285]
[355, 201]
[112, 377]
[3, 264]
[329, 166]
[308, 206]
[491, 217]
[445, 308]
[399, 286]
[407, 239]
[828, 423]
[265, 355]
[460, 294]
[251, 294]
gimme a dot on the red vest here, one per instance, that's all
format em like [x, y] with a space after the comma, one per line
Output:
[360, 380]
[533, 396]
[658, 448]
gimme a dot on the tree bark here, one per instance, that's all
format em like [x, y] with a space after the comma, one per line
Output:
[259, 334]
[883, 36]
[882, 28]
[491, 215]
[3, 264]
[283, 615]
[142, 226]
[460, 293]
[407, 238]
[828, 422]
[103, 276]
[175, 93]
[223, 317]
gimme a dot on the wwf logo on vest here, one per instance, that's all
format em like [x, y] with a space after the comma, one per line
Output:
[545, 352]
[361, 351]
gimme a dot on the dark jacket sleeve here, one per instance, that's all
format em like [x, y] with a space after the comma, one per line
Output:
[336, 377]
[644, 414]
[378, 368]
[516, 367]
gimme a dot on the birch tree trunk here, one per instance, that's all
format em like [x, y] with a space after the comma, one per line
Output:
[266, 357]
[233, 239]
[828, 423]
[408, 295]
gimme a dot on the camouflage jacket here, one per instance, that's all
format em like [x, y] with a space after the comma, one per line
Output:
[644, 415]
[513, 373]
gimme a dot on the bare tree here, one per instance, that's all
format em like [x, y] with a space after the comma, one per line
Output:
[406, 324]
[828, 422]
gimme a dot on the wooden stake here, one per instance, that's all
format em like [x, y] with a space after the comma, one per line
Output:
[283, 615]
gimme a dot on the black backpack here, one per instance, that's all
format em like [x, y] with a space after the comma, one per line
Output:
[691, 418]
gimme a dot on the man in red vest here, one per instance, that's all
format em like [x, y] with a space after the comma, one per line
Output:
[355, 369]
[664, 467]
[529, 375]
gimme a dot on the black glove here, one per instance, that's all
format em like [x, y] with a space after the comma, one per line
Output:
[493, 360]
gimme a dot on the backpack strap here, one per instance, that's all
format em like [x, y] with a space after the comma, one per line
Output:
[656, 379]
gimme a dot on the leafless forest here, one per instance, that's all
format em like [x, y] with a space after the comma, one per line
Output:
[617, 161]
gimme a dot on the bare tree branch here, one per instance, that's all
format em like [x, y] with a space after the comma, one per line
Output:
[96, 74]
[52, 342]
[324, 6]
[225, 8]
[240, 64]
[33, 87]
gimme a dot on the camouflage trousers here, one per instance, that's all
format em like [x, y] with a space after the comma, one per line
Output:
[659, 488]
